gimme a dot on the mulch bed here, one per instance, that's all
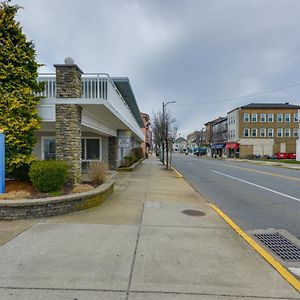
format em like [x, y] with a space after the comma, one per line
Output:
[14, 185]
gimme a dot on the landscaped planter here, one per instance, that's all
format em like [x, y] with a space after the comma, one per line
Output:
[52, 206]
[131, 168]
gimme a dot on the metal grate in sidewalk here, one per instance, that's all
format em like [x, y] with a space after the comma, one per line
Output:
[280, 245]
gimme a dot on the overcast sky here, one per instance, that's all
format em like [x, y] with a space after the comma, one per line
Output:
[192, 51]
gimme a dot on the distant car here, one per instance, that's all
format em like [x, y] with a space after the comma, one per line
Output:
[200, 151]
[283, 155]
[291, 155]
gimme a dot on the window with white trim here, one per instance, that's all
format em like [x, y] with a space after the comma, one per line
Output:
[263, 117]
[270, 132]
[262, 132]
[253, 132]
[296, 132]
[270, 117]
[296, 117]
[279, 132]
[254, 117]
[48, 147]
[246, 117]
[287, 132]
[287, 117]
[280, 117]
[246, 132]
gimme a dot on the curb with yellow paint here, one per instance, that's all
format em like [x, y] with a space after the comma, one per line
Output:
[271, 260]
[177, 172]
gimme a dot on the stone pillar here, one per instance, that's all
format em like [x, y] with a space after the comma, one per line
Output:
[112, 152]
[68, 119]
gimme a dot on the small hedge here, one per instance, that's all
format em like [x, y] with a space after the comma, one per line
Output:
[137, 152]
[127, 161]
[48, 175]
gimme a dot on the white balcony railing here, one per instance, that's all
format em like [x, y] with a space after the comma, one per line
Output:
[96, 86]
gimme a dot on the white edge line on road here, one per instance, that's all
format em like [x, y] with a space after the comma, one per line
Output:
[259, 186]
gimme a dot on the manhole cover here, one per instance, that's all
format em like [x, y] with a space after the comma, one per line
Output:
[280, 245]
[194, 213]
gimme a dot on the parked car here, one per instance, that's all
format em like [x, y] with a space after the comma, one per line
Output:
[283, 155]
[200, 151]
[291, 155]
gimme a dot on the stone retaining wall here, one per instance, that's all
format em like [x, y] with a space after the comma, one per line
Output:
[52, 206]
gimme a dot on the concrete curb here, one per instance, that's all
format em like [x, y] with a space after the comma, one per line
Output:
[52, 206]
[271, 260]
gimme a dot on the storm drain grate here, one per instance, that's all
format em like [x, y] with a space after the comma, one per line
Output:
[280, 245]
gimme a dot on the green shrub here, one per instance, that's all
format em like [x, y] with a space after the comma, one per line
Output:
[137, 152]
[48, 175]
[127, 161]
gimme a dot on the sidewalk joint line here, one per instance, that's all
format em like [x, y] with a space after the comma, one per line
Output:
[59, 289]
[212, 294]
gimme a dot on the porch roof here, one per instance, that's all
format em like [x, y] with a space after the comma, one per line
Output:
[124, 87]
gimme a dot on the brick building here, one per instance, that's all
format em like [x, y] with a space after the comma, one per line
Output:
[218, 136]
[263, 129]
[147, 144]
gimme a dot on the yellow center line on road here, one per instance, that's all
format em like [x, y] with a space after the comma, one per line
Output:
[262, 172]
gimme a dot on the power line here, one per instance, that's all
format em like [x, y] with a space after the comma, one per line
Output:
[240, 97]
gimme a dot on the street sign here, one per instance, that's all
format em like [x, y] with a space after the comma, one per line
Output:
[124, 142]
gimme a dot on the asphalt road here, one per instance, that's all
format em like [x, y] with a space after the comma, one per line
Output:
[254, 196]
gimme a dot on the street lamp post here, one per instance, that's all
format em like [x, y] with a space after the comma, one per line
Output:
[166, 133]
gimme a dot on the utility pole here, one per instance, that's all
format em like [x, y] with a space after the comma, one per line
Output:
[163, 138]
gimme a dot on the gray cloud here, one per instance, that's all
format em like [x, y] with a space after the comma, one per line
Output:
[190, 51]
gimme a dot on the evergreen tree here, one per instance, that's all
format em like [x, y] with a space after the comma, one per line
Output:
[18, 91]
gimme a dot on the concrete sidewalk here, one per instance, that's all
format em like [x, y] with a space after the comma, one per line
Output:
[139, 244]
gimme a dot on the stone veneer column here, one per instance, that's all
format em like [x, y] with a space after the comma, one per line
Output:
[68, 119]
[112, 152]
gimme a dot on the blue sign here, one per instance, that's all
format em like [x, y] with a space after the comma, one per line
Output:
[2, 163]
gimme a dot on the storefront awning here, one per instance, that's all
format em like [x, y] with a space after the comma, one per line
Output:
[232, 146]
[217, 146]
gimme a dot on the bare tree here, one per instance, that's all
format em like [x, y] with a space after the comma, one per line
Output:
[164, 131]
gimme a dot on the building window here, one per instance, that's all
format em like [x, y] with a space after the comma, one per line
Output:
[263, 117]
[253, 132]
[90, 149]
[280, 117]
[270, 132]
[254, 118]
[287, 117]
[48, 148]
[233, 119]
[296, 132]
[279, 132]
[296, 118]
[246, 132]
[246, 117]
[270, 117]
[287, 132]
[262, 132]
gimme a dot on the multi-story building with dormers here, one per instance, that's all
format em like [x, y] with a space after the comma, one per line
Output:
[263, 129]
